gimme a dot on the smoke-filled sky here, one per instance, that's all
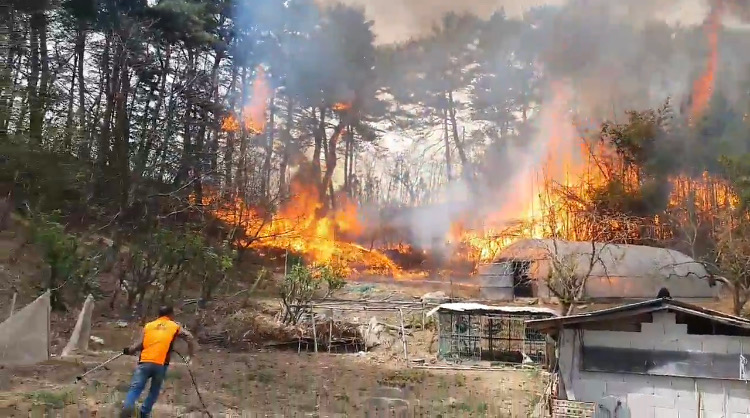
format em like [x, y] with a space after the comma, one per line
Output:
[606, 59]
[399, 20]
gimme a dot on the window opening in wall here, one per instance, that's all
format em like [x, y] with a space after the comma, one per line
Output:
[697, 325]
[522, 284]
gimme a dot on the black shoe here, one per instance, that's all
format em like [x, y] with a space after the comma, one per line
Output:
[126, 413]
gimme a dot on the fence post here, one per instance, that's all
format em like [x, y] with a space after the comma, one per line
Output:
[330, 331]
[315, 333]
[12, 304]
[423, 317]
[403, 336]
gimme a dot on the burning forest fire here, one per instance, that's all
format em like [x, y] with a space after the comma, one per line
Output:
[704, 86]
[340, 107]
[553, 195]
[253, 115]
[300, 227]
[552, 198]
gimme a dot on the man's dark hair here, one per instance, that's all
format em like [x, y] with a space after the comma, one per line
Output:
[663, 293]
[166, 310]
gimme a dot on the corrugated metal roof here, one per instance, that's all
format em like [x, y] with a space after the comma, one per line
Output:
[470, 307]
[664, 304]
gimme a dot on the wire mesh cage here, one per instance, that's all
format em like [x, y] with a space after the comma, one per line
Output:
[498, 337]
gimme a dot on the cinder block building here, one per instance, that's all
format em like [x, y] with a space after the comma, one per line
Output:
[660, 358]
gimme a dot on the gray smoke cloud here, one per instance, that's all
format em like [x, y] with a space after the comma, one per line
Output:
[400, 20]
[610, 57]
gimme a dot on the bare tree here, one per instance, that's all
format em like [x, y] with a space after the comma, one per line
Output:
[570, 270]
[733, 260]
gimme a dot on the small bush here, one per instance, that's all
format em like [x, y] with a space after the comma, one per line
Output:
[303, 283]
[57, 400]
[72, 265]
[403, 378]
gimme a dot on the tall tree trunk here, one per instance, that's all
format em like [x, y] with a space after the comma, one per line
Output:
[319, 136]
[242, 160]
[287, 146]
[465, 166]
[80, 51]
[352, 158]
[45, 77]
[121, 146]
[170, 117]
[145, 123]
[6, 64]
[186, 168]
[145, 150]
[447, 144]
[331, 160]
[199, 156]
[19, 53]
[214, 134]
[229, 149]
[22, 117]
[346, 160]
[268, 149]
[35, 107]
[68, 136]
[103, 146]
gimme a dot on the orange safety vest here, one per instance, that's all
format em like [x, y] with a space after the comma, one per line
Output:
[158, 337]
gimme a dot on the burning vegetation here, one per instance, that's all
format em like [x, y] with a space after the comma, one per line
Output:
[575, 184]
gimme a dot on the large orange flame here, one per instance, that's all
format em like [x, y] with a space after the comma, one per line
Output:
[549, 197]
[703, 87]
[301, 227]
[553, 195]
[528, 208]
[342, 106]
[254, 113]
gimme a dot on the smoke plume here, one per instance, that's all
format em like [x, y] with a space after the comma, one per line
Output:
[599, 58]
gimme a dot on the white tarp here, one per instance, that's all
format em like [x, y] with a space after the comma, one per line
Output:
[471, 306]
[24, 337]
[79, 340]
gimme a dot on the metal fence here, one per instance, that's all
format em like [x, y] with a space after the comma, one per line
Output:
[489, 337]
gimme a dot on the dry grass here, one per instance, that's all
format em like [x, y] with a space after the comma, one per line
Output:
[280, 382]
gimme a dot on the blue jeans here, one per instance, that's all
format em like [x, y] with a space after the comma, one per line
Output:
[144, 372]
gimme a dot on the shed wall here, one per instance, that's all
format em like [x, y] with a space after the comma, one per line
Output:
[656, 396]
[621, 271]
[495, 283]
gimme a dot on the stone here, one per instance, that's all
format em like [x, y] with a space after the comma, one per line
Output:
[434, 297]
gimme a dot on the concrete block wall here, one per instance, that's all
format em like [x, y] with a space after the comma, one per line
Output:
[657, 396]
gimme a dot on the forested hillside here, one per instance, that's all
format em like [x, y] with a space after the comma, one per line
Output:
[198, 134]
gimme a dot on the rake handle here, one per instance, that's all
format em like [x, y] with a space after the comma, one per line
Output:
[78, 378]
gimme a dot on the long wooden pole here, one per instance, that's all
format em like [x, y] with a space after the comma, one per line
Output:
[423, 317]
[315, 333]
[403, 337]
[330, 331]
[13, 304]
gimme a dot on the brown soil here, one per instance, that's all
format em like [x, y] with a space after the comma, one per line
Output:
[275, 382]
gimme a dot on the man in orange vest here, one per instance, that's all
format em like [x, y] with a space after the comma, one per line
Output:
[155, 347]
